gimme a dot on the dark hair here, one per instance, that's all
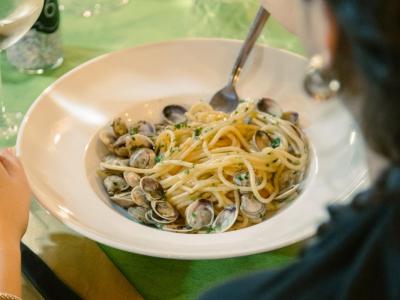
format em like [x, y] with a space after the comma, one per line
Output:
[368, 64]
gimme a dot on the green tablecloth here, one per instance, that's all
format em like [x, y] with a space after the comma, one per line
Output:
[168, 279]
[147, 21]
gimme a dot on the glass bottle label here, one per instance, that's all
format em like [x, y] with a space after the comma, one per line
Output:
[49, 19]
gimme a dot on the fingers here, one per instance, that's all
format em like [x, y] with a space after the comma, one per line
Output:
[3, 171]
[10, 164]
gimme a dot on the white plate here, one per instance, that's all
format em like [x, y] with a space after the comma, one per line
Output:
[60, 159]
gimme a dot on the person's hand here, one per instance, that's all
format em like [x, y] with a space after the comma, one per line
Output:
[287, 12]
[15, 197]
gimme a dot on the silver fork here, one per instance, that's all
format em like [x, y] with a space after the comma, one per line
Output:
[227, 98]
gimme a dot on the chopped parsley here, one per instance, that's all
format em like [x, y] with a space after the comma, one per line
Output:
[242, 101]
[194, 215]
[186, 171]
[276, 143]
[134, 130]
[197, 132]
[210, 230]
[159, 158]
[181, 125]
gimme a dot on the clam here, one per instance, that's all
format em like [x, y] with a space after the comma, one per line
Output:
[136, 141]
[200, 214]
[152, 188]
[269, 106]
[120, 141]
[164, 210]
[119, 146]
[177, 228]
[119, 127]
[123, 199]
[115, 160]
[261, 140]
[142, 158]
[115, 184]
[144, 128]
[107, 137]
[288, 183]
[138, 214]
[225, 219]
[139, 197]
[287, 192]
[241, 178]
[251, 207]
[121, 151]
[153, 218]
[174, 114]
[132, 178]
[291, 116]
[160, 127]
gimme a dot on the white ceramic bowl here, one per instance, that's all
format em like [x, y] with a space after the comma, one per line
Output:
[58, 146]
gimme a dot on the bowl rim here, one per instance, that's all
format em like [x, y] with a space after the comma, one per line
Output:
[76, 225]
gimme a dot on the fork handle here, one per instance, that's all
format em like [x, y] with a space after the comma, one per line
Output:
[254, 32]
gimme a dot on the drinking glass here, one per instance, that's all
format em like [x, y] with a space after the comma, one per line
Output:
[89, 8]
[16, 18]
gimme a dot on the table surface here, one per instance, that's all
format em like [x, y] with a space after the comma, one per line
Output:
[79, 261]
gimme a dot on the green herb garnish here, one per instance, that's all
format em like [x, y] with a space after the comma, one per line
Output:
[134, 130]
[159, 158]
[181, 125]
[276, 143]
[198, 131]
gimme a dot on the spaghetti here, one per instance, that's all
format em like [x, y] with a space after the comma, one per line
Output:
[248, 163]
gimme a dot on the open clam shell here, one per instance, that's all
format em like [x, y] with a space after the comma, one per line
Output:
[132, 178]
[287, 192]
[199, 214]
[142, 158]
[136, 141]
[139, 197]
[115, 184]
[177, 228]
[107, 137]
[152, 188]
[165, 210]
[144, 128]
[261, 140]
[138, 214]
[119, 127]
[269, 106]
[225, 219]
[153, 218]
[123, 199]
[174, 114]
[291, 116]
[251, 207]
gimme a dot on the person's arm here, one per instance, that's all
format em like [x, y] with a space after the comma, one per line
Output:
[15, 198]
[10, 266]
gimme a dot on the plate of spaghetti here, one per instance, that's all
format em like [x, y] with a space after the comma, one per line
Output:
[132, 155]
